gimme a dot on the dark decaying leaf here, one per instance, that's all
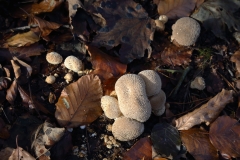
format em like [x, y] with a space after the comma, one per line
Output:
[27, 51]
[175, 8]
[236, 59]
[142, 149]
[12, 92]
[207, 113]
[79, 102]
[198, 144]
[166, 140]
[25, 65]
[46, 135]
[217, 14]
[30, 101]
[23, 39]
[104, 62]
[225, 136]
[127, 24]
[45, 27]
[4, 83]
[214, 83]
[20, 153]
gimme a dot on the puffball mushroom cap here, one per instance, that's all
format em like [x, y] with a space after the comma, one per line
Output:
[73, 63]
[198, 83]
[54, 58]
[50, 79]
[185, 31]
[158, 103]
[110, 107]
[152, 80]
[125, 129]
[132, 98]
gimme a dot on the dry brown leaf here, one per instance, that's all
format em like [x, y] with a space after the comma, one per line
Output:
[16, 69]
[142, 149]
[79, 102]
[4, 83]
[175, 8]
[198, 144]
[225, 136]
[128, 24]
[23, 39]
[106, 63]
[207, 112]
[46, 136]
[25, 65]
[236, 59]
[19, 154]
[12, 92]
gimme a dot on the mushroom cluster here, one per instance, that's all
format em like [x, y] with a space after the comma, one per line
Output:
[137, 96]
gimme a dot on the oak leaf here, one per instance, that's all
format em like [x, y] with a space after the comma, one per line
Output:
[225, 136]
[128, 24]
[198, 144]
[207, 113]
[142, 149]
[175, 8]
[79, 102]
[215, 15]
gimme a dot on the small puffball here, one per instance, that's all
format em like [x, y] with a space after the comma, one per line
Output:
[152, 80]
[50, 79]
[73, 63]
[68, 77]
[125, 129]
[185, 31]
[158, 103]
[198, 83]
[160, 26]
[110, 107]
[163, 19]
[54, 58]
[132, 99]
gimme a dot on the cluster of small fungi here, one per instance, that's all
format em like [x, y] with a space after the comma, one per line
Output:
[137, 96]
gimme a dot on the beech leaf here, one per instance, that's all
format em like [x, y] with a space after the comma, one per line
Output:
[79, 102]
[128, 24]
[12, 92]
[225, 136]
[142, 149]
[198, 144]
[207, 113]
[175, 8]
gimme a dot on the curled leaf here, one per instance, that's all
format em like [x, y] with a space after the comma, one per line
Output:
[79, 102]
[12, 92]
[207, 112]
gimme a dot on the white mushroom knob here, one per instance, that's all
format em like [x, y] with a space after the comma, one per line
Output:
[68, 77]
[185, 31]
[73, 63]
[198, 83]
[158, 103]
[132, 99]
[50, 79]
[54, 58]
[152, 80]
[163, 19]
[110, 107]
[125, 129]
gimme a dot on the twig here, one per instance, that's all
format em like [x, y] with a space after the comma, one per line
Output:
[5, 115]
[185, 72]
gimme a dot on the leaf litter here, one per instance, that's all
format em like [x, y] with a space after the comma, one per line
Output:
[114, 38]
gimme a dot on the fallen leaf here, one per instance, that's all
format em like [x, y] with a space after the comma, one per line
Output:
[207, 113]
[109, 85]
[25, 65]
[16, 69]
[236, 59]
[4, 83]
[127, 24]
[175, 8]
[23, 39]
[166, 140]
[19, 153]
[79, 102]
[73, 5]
[225, 136]
[36, 8]
[105, 62]
[30, 101]
[198, 144]
[6, 153]
[46, 136]
[216, 14]
[142, 149]
[12, 92]
[45, 27]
